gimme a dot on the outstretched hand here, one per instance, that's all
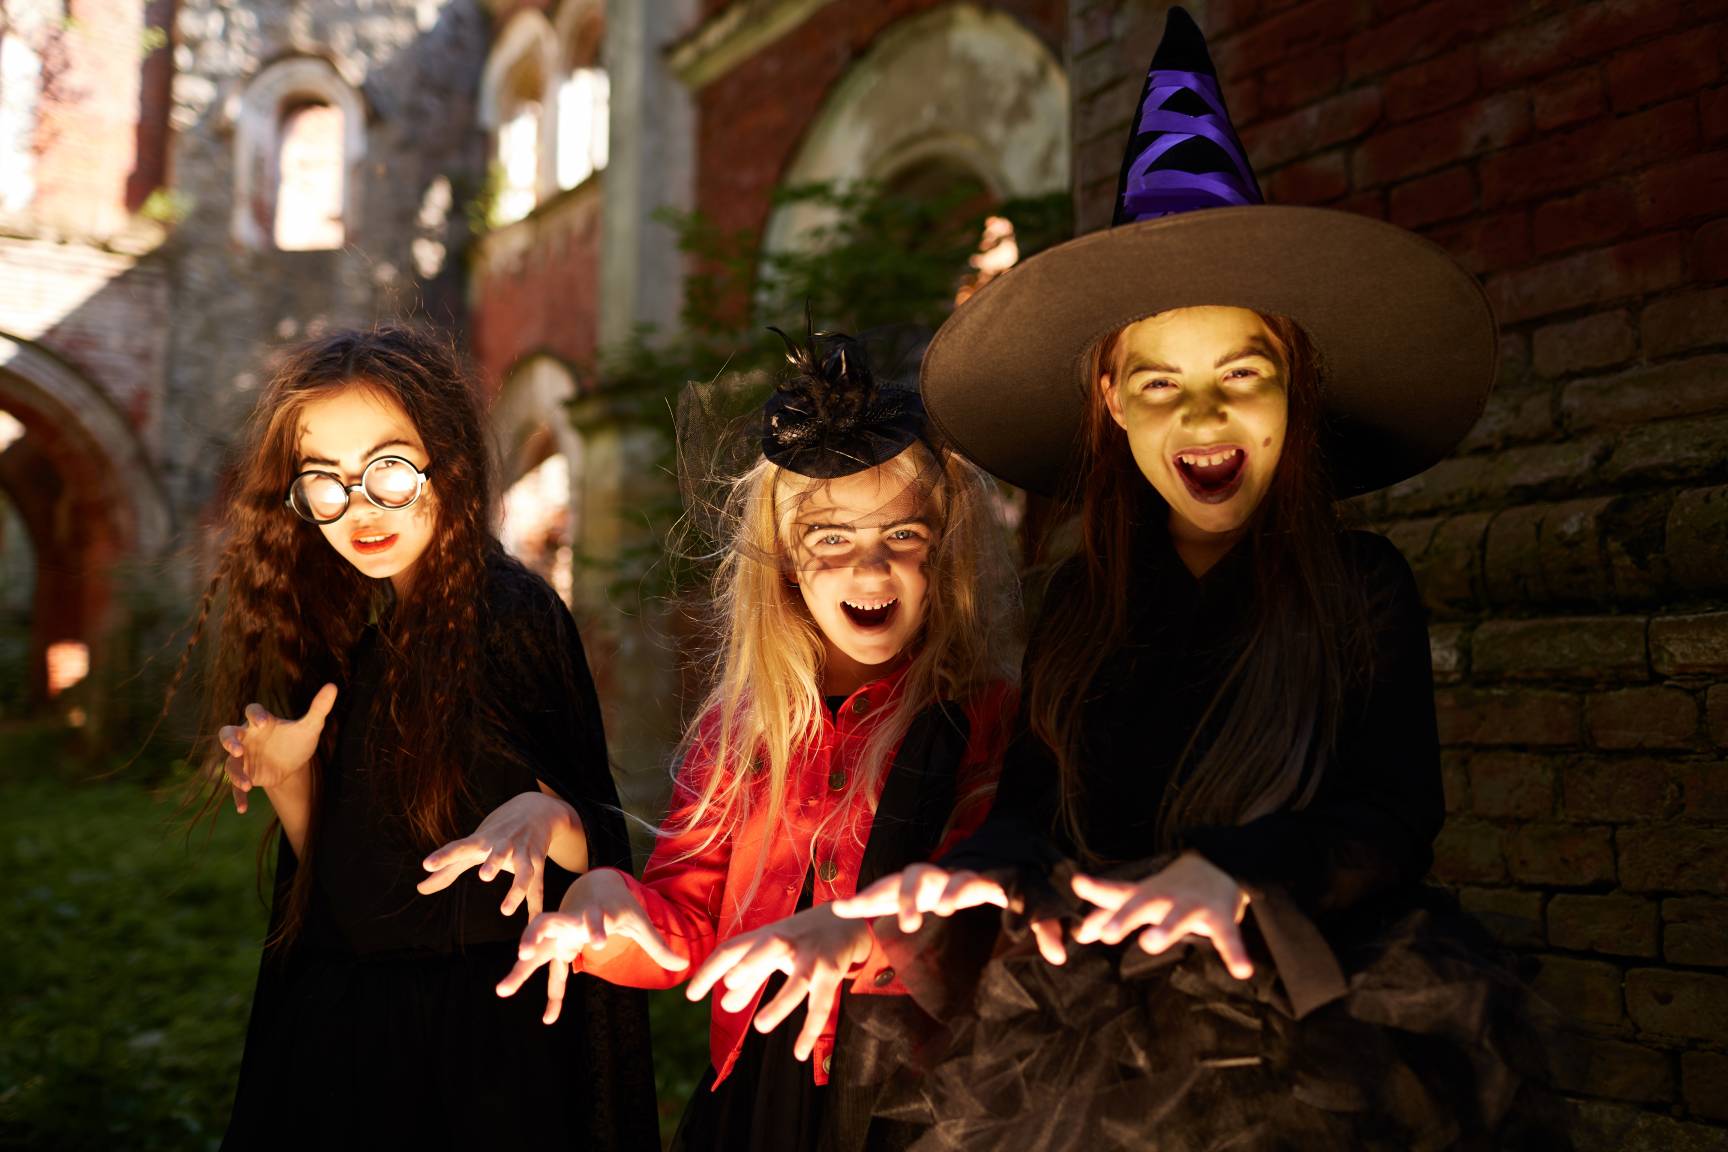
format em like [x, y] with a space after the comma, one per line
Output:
[515, 837]
[924, 889]
[597, 907]
[268, 750]
[814, 948]
[1190, 897]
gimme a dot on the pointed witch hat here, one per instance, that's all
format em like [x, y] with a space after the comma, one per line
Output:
[1406, 339]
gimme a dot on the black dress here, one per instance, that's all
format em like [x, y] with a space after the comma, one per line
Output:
[379, 1026]
[1378, 1016]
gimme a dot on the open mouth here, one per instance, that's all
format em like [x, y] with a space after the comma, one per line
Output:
[869, 614]
[374, 543]
[1212, 474]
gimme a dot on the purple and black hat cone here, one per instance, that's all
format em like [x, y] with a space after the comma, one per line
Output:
[1405, 335]
[1183, 154]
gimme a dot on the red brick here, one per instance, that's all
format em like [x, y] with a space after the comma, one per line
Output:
[1717, 707]
[1618, 791]
[1616, 924]
[1673, 858]
[1334, 120]
[1704, 1081]
[1575, 36]
[1560, 855]
[1688, 1004]
[1600, 341]
[1517, 412]
[1512, 916]
[1485, 244]
[1369, 202]
[1708, 252]
[1470, 851]
[1676, 193]
[1697, 537]
[1560, 161]
[1449, 568]
[1689, 645]
[1690, 387]
[1566, 648]
[1593, 216]
[1689, 320]
[1431, 85]
[1507, 717]
[1219, 16]
[1713, 108]
[1568, 98]
[1588, 991]
[1423, 32]
[1635, 268]
[1457, 134]
[1667, 68]
[1695, 931]
[1301, 81]
[1511, 786]
[1286, 36]
[1600, 1067]
[1654, 717]
[1428, 199]
[1315, 180]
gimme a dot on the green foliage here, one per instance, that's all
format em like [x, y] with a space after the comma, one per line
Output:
[128, 951]
[166, 206]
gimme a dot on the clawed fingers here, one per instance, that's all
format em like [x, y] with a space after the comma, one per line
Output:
[791, 994]
[719, 963]
[1048, 935]
[449, 862]
[1226, 937]
[529, 957]
[636, 926]
[879, 899]
[824, 987]
[524, 885]
[745, 980]
[557, 976]
[257, 716]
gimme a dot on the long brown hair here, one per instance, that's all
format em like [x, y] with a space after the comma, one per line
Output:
[1283, 696]
[291, 608]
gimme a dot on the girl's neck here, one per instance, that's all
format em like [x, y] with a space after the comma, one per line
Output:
[1198, 550]
[842, 675]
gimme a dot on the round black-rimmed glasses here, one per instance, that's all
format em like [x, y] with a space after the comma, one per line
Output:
[389, 482]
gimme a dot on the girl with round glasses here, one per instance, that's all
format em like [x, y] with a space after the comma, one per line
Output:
[385, 675]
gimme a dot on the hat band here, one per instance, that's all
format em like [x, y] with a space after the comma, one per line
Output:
[1149, 191]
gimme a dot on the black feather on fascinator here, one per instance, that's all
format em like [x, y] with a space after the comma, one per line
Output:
[829, 415]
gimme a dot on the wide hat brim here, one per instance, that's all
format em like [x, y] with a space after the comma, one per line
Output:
[1406, 338]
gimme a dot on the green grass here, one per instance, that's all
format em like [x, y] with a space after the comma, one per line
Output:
[127, 957]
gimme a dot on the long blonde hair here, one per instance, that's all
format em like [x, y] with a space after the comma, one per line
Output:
[765, 699]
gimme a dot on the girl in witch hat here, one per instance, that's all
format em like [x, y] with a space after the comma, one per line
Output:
[855, 725]
[439, 679]
[1219, 808]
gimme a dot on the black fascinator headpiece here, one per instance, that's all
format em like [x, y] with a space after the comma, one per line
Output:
[829, 415]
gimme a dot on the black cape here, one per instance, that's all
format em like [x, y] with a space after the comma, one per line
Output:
[1379, 1017]
[379, 1026]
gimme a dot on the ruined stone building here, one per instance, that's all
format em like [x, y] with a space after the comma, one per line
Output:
[185, 183]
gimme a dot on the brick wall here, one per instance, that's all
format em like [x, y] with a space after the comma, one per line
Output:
[535, 286]
[1574, 553]
[751, 120]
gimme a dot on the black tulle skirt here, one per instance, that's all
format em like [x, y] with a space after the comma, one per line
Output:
[1425, 1040]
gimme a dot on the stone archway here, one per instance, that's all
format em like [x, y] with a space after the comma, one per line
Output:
[959, 87]
[541, 466]
[88, 498]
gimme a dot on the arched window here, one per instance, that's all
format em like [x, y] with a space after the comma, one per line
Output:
[300, 136]
[20, 91]
[542, 465]
[584, 93]
[518, 108]
[310, 178]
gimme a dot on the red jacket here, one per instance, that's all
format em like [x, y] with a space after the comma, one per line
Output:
[697, 900]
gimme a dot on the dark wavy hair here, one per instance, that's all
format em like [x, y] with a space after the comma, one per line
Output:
[290, 609]
[1283, 697]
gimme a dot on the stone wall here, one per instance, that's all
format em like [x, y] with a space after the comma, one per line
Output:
[416, 65]
[1574, 553]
